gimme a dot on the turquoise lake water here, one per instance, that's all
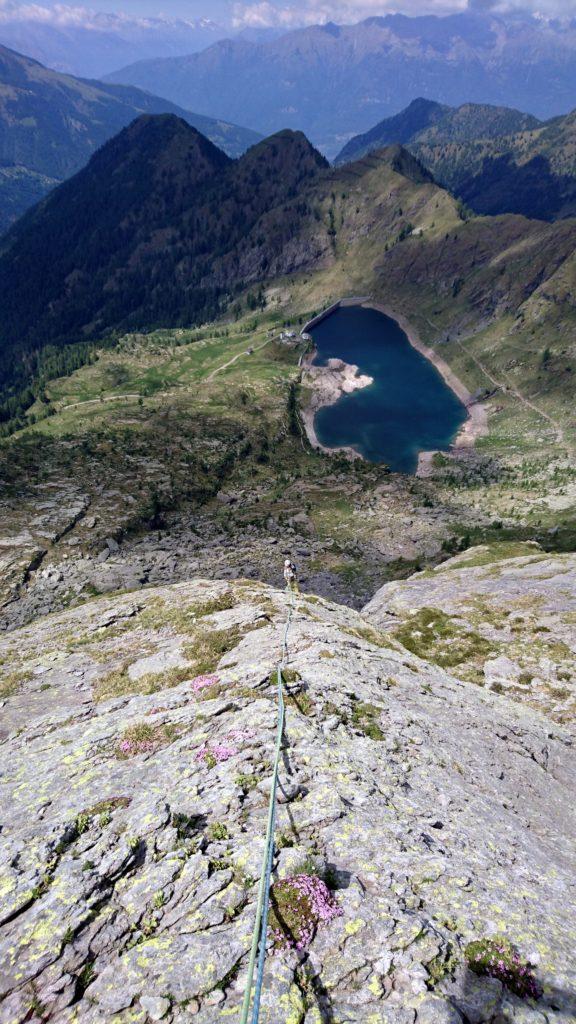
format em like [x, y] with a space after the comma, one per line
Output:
[408, 409]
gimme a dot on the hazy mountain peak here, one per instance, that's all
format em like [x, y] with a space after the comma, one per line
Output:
[80, 40]
[331, 28]
[403, 127]
[337, 81]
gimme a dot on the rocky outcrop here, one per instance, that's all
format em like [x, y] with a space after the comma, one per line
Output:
[135, 761]
[507, 623]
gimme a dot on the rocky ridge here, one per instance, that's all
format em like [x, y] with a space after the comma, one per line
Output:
[137, 735]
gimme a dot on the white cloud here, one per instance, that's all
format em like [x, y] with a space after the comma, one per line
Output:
[65, 16]
[267, 13]
[318, 12]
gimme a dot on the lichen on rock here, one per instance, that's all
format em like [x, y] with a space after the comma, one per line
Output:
[437, 813]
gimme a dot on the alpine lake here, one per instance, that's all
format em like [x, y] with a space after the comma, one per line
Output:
[407, 409]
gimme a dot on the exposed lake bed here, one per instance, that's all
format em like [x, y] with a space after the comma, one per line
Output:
[380, 394]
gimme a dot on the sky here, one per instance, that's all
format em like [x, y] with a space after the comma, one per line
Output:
[240, 14]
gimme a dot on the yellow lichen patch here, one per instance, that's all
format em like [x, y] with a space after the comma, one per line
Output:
[375, 986]
[352, 927]
[292, 1004]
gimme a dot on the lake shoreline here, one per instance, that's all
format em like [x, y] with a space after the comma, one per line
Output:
[325, 393]
[328, 383]
[476, 424]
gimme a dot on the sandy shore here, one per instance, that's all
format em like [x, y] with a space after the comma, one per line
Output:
[328, 383]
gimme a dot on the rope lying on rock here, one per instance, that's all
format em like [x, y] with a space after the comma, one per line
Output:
[262, 908]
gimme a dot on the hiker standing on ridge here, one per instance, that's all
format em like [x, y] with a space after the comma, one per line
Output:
[290, 576]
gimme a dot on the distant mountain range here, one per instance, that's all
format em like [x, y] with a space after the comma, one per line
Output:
[80, 41]
[497, 160]
[333, 81]
[50, 124]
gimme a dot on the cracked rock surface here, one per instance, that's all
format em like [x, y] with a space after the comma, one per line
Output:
[134, 803]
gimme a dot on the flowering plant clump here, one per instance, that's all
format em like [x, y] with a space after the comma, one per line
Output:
[239, 735]
[144, 738]
[222, 750]
[203, 682]
[298, 905]
[498, 958]
[214, 753]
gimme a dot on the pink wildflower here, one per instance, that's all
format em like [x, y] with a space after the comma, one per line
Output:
[201, 682]
[311, 904]
[215, 752]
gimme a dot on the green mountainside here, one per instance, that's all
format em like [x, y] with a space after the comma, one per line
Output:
[50, 124]
[162, 229]
[495, 159]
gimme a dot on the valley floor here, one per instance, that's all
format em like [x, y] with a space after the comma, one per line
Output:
[183, 452]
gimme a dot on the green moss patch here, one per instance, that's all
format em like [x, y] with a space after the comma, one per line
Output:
[207, 648]
[371, 635]
[442, 966]
[302, 702]
[366, 717]
[497, 552]
[119, 683]
[436, 637]
[11, 683]
[183, 618]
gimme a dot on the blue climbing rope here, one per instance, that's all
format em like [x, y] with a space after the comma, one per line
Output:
[260, 933]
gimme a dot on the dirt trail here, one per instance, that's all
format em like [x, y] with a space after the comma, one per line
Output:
[160, 394]
[238, 356]
[508, 389]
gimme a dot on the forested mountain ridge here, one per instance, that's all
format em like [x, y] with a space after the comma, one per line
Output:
[425, 122]
[50, 124]
[531, 171]
[133, 239]
[497, 160]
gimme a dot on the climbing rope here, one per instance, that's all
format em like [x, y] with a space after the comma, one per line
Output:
[262, 908]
